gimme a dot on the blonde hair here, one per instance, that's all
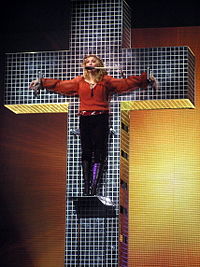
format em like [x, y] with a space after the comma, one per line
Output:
[99, 73]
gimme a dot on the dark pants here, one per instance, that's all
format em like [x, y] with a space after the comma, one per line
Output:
[94, 132]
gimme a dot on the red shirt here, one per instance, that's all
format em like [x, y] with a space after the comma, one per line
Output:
[98, 97]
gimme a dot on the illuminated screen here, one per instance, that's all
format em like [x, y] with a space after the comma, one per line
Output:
[164, 187]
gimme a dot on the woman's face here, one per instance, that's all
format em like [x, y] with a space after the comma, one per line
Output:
[91, 62]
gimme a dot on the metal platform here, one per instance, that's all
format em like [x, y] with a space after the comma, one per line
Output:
[94, 206]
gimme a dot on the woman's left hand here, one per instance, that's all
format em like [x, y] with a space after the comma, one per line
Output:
[153, 82]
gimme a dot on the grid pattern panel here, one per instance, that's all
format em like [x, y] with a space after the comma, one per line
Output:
[95, 244]
[99, 235]
[96, 27]
[126, 40]
[72, 235]
[190, 75]
[173, 67]
[22, 68]
[73, 162]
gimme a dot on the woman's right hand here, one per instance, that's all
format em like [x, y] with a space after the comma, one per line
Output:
[35, 84]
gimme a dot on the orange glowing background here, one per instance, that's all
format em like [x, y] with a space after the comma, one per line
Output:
[164, 182]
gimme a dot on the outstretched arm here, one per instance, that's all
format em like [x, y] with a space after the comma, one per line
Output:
[131, 83]
[67, 87]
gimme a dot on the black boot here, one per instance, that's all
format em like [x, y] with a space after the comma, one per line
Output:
[97, 173]
[86, 167]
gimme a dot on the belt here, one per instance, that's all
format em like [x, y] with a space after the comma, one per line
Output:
[92, 112]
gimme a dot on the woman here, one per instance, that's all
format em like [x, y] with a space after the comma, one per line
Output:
[94, 89]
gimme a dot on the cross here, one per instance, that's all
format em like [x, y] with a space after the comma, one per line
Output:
[97, 27]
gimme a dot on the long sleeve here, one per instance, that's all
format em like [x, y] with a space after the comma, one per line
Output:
[66, 87]
[127, 84]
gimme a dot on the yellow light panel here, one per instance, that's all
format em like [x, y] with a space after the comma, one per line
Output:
[156, 104]
[164, 189]
[39, 108]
